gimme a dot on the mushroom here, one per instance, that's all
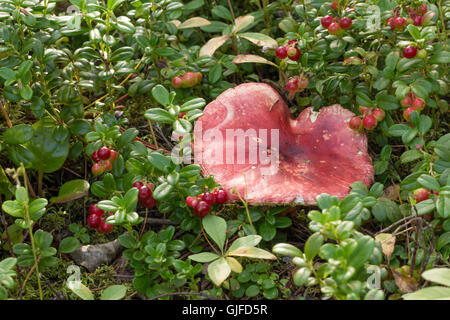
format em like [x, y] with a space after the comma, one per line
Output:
[248, 141]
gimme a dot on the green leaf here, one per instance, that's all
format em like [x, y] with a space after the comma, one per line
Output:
[161, 95]
[80, 290]
[392, 59]
[71, 190]
[428, 182]
[424, 207]
[267, 231]
[413, 31]
[410, 155]
[245, 242]
[26, 92]
[430, 293]
[312, 245]
[425, 124]
[362, 252]
[162, 191]
[398, 130]
[204, 257]
[218, 271]
[441, 57]
[438, 275]
[13, 208]
[18, 134]
[159, 115]
[259, 39]
[443, 240]
[252, 291]
[301, 276]
[216, 228]
[252, 252]
[115, 292]
[69, 244]
[286, 249]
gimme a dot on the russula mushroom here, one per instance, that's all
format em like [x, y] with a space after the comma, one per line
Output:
[248, 141]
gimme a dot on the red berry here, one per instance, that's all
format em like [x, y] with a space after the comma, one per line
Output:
[292, 42]
[345, 23]
[138, 184]
[208, 197]
[292, 85]
[281, 52]
[189, 79]
[334, 5]
[97, 169]
[303, 82]
[192, 201]
[145, 192]
[422, 9]
[105, 227]
[104, 153]
[334, 28]
[95, 156]
[147, 202]
[198, 77]
[418, 104]
[94, 220]
[202, 209]
[355, 123]
[409, 52]
[113, 156]
[418, 20]
[379, 114]
[294, 53]
[95, 210]
[399, 22]
[326, 21]
[390, 21]
[106, 164]
[150, 185]
[176, 82]
[421, 194]
[221, 196]
[407, 113]
[406, 101]
[369, 122]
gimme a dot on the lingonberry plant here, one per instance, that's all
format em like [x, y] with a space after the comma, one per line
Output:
[99, 106]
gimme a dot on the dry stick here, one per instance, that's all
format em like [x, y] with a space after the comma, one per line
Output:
[153, 133]
[185, 294]
[143, 225]
[27, 182]
[5, 115]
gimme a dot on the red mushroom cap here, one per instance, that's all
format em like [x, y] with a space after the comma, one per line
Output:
[318, 152]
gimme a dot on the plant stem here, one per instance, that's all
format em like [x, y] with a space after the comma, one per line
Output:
[5, 115]
[33, 246]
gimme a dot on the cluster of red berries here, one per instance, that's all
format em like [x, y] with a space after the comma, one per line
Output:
[290, 50]
[336, 25]
[203, 202]
[417, 17]
[145, 195]
[412, 103]
[103, 158]
[297, 83]
[369, 121]
[96, 220]
[187, 80]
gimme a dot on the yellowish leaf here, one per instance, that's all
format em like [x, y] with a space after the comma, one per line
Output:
[242, 22]
[247, 58]
[259, 39]
[212, 45]
[387, 241]
[234, 264]
[193, 23]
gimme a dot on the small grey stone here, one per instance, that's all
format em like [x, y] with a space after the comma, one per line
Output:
[93, 256]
